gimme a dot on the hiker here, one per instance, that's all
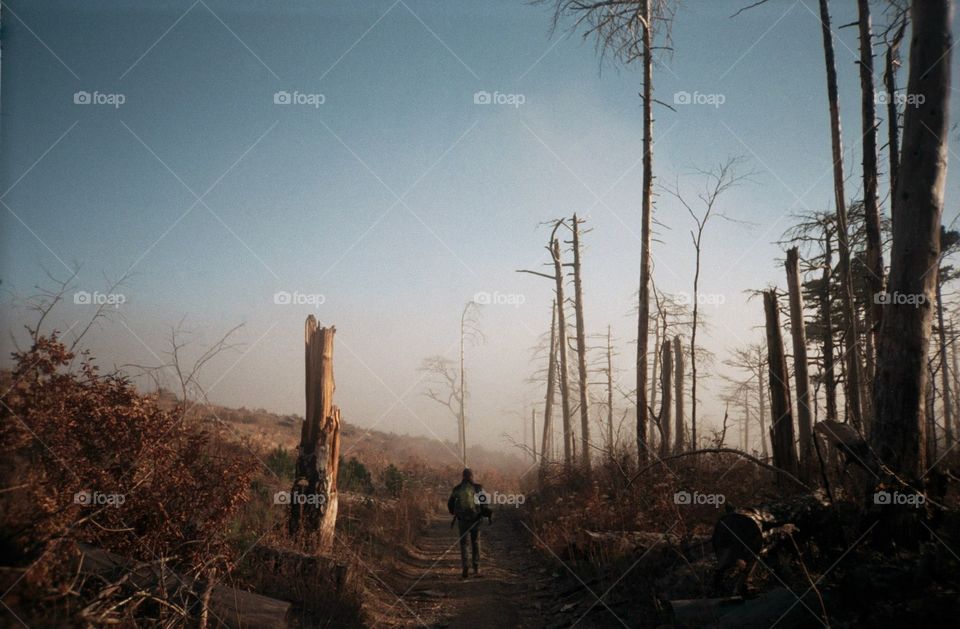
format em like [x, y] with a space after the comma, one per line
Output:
[468, 506]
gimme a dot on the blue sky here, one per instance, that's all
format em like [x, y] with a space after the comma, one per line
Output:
[398, 198]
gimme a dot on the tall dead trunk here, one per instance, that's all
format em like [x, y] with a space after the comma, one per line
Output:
[850, 335]
[546, 449]
[666, 407]
[944, 369]
[891, 62]
[533, 433]
[313, 497]
[799, 335]
[678, 395]
[761, 398]
[562, 344]
[871, 210]
[917, 205]
[581, 349]
[955, 381]
[930, 396]
[610, 441]
[746, 421]
[781, 418]
[643, 311]
[826, 314]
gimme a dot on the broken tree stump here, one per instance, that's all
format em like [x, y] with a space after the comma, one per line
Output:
[313, 498]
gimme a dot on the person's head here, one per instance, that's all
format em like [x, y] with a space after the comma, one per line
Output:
[468, 474]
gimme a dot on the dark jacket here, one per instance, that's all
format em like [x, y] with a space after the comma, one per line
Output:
[483, 510]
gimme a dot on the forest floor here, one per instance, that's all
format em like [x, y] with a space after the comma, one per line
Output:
[516, 586]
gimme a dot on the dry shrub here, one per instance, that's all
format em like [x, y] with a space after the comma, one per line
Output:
[94, 461]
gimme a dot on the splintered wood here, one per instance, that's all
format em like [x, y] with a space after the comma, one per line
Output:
[313, 498]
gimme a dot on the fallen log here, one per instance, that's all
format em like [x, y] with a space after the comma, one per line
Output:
[228, 606]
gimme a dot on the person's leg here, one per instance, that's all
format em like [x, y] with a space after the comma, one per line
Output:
[475, 546]
[464, 532]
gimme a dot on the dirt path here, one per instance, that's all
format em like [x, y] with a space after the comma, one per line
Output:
[426, 589]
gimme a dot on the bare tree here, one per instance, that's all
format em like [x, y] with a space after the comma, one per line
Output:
[716, 181]
[917, 206]
[581, 345]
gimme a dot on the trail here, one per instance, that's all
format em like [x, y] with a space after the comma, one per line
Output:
[426, 589]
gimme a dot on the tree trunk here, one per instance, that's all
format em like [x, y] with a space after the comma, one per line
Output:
[462, 420]
[313, 498]
[892, 60]
[944, 370]
[581, 349]
[955, 381]
[917, 206]
[610, 441]
[678, 396]
[799, 334]
[545, 445]
[761, 393]
[533, 433]
[781, 418]
[564, 372]
[850, 335]
[826, 314]
[868, 117]
[746, 421]
[666, 407]
[643, 311]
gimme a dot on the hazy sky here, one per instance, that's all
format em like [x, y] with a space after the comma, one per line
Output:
[385, 188]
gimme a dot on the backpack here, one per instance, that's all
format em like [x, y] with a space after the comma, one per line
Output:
[465, 502]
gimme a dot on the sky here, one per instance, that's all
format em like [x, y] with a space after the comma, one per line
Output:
[341, 159]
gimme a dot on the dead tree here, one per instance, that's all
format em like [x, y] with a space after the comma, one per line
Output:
[891, 63]
[609, 374]
[917, 206]
[781, 417]
[853, 389]
[313, 498]
[799, 335]
[545, 445]
[871, 210]
[581, 347]
[665, 418]
[679, 428]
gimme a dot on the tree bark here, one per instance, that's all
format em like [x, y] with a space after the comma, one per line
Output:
[666, 406]
[826, 314]
[917, 205]
[944, 369]
[643, 311]
[781, 418]
[545, 448]
[581, 349]
[850, 335]
[678, 396]
[868, 117]
[802, 379]
[891, 62]
[562, 343]
[313, 498]
[761, 392]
